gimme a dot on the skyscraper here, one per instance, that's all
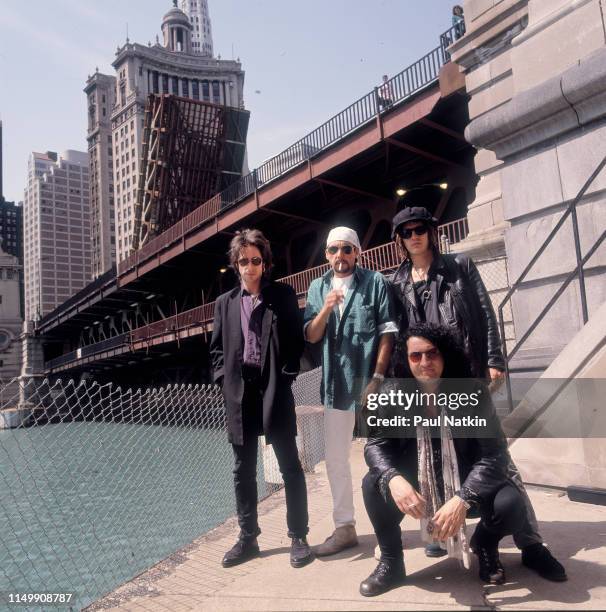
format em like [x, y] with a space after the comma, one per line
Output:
[10, 318]
[11, 227]
[56, 224]
[202, 34]
[101, 91]
[173, 67]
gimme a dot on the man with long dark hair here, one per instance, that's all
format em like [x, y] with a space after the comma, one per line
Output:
[440, 480]
[256, 346]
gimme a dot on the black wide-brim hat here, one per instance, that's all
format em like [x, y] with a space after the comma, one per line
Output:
[413, 213]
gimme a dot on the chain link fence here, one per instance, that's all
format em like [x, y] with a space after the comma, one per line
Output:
[99, 483]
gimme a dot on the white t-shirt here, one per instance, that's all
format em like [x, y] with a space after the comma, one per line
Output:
[344, 284]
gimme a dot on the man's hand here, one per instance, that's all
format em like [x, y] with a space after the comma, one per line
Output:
[407, 499]
[333, 298]
[372, 387]
[314, 331]
[449, 518]
[495, 374]
[496, 378]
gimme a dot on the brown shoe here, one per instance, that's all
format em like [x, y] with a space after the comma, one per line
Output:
[341, 539]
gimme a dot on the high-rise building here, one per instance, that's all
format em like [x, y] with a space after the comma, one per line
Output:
[168, 68]
[201, 33]
[11, 229]
[10, 318]
[56, 230]
[11, 238]
[101, 90]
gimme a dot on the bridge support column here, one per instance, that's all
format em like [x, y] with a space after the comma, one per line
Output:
[32, 372]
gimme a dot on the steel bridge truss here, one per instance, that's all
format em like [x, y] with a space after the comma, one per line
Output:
[184, 160]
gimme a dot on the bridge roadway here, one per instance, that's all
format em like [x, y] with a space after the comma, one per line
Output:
[349, 178]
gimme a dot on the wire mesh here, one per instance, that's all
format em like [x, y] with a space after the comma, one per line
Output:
[99, 483]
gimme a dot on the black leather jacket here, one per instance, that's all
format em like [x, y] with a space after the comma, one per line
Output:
[483, 462]
[463, 303]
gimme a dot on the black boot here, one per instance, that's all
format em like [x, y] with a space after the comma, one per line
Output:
[243, 550]
[300, 552]
[486, 547]
[538, 558]
[387, 575]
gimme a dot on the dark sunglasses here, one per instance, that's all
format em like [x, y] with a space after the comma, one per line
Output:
[419, 231]
[431, 354]
[333, 250]
[255, 261]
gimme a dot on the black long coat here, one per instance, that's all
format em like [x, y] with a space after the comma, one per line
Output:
[282, 345]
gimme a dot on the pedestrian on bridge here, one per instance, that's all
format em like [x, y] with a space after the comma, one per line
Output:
[458, 21]
[430, 287]
[385, 93]
[256, 347]
[350, 311]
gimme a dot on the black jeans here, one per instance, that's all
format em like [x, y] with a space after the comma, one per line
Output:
[502, 515]
[245, 471]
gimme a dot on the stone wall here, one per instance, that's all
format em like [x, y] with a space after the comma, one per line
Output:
[536, 74]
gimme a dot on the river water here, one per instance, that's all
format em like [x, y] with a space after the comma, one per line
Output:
[85, 506]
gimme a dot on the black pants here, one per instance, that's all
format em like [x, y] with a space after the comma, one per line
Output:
[245, 471]
[502, 515]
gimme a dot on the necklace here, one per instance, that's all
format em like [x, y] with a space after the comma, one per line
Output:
[254, 300]
[421, 273]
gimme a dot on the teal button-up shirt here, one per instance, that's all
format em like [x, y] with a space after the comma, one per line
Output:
[350, 342]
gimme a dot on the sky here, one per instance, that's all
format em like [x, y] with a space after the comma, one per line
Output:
[304, 62]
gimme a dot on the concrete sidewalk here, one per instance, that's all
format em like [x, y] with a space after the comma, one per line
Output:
[193, 578]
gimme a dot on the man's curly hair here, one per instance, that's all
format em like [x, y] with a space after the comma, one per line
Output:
[448, 342]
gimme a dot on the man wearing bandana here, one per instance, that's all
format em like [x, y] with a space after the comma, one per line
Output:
[350, 311]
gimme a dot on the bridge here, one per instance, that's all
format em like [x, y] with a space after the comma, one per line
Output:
[151, 315]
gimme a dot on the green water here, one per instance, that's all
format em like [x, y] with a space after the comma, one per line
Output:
[86, 506]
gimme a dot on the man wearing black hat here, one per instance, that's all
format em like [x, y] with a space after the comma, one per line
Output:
[445, 289]
[448, 290]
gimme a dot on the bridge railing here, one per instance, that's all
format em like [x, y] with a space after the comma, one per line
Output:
[382, 258]
[400, 87]
[87, 351]
[453, 232]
